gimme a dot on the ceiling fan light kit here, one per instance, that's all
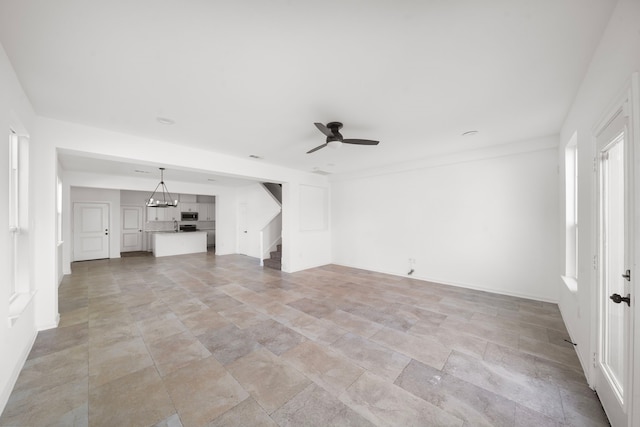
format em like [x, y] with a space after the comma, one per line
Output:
[335, 138]
[161, 203]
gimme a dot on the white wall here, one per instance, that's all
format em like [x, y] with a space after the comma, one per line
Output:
[134, 198]
[486, 223]
[303, 247]
[613, 63]
[226, 223]
[67, 210]
[15, 340]
[100, 195]
[60, 265]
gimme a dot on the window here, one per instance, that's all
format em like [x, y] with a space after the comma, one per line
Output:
[14, 210]
[20, 293]
[14, 176]
[59, 209]
[571, 213]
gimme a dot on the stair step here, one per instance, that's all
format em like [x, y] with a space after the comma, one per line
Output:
[275, 261]
[276, 264]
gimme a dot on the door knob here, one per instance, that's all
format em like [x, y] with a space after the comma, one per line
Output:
[618, 299]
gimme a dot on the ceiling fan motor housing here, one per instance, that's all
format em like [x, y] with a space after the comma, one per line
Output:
[335, 129]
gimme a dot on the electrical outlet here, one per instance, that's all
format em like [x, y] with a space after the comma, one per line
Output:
[412, 262]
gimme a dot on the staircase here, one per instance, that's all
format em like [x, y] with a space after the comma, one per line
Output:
[275, 260]
[275, 190]
[272, 232]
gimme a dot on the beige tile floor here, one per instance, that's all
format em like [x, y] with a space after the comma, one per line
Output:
[205, 340]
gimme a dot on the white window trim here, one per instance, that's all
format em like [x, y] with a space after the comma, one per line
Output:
[21, 294]
[570, 277]
[59, 219]
[14, 210]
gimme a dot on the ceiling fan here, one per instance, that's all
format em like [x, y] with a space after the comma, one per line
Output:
[335, 139]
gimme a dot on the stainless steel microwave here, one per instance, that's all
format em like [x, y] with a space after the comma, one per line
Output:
[189, 216]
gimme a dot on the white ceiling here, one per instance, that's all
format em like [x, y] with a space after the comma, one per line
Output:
[251, 77]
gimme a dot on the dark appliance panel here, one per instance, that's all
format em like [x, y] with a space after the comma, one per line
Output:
[189, 216]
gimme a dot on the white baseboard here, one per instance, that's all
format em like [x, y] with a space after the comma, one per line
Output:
[8, 388]
[54, 324]
[583, 363]
[458, 285]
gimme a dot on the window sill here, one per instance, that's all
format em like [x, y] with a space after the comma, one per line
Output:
[571, 283]
[18, 305]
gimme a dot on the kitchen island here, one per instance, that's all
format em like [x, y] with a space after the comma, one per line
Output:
[168, 243]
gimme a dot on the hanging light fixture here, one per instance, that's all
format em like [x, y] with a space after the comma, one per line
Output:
[161, 203]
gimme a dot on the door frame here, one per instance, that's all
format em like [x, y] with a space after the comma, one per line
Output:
[634, 126]
[141, 225]
[631, 97]
[73, 226]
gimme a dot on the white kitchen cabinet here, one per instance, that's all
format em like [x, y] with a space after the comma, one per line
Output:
[163, 214]
[202, 212]
[172, 214]
[206, 211]
[155, 214]
[188, 207]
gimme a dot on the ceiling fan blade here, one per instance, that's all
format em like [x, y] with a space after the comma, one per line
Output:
[360, 141]
[322, 128]
[317, 148]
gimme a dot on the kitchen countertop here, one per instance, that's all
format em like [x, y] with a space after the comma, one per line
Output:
[177, 232]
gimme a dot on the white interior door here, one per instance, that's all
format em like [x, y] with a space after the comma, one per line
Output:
[613, 367]
[243, 232]
[131, 232]
[90, 231]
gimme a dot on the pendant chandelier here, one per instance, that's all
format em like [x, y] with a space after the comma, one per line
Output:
[166, 201]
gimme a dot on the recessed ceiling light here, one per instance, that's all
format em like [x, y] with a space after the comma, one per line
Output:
[140, 171]
[320, 171]
[470, 133]
[253, 156]
[165, 121]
